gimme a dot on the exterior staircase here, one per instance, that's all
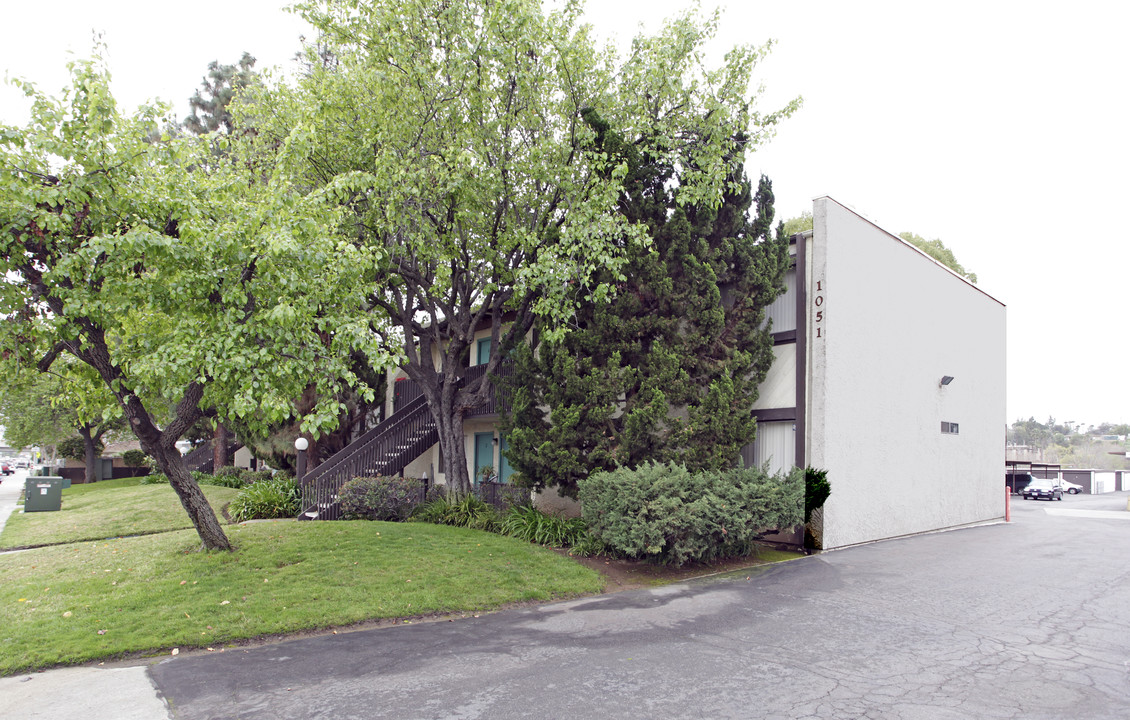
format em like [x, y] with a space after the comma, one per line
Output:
[387, 448]
[384, 450]
[201, 459]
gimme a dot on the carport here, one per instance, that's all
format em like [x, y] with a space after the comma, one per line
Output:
[1018, 473]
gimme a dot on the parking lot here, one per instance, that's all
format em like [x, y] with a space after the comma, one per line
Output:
[1020, 620]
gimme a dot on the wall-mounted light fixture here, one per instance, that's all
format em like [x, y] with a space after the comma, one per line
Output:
[494, 441]
[946, 380]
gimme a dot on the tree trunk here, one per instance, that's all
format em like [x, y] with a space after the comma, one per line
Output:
[89, 454]
[191, 497]
[219, 448]
[450, 427]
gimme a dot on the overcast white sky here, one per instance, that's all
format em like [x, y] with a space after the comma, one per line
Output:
[1002, 128]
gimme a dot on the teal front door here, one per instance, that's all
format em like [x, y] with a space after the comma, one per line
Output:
[504, 469]
[484, 453]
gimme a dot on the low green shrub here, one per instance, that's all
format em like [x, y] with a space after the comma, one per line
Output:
[589, 545]
[380, 498]
[673, 516]
[228, 480]
[134, 458]
[816, 490]
[467, 511]
[533, 525]
[153, 478]
[275, 498]
[250, 477]
[229, 471]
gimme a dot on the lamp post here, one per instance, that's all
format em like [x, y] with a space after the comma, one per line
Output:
[300, 445]
[183, 446]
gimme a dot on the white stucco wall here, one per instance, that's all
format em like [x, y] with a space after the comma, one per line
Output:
[894, 322]
[427, 463]
[242, 458]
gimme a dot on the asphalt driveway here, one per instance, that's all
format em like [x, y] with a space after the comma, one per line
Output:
[1025, 620]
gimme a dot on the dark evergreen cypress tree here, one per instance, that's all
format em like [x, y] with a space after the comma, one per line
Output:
[668, 370]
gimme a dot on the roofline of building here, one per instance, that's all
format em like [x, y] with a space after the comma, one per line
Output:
[912, 247]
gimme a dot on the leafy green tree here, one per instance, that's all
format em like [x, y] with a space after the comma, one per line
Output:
[202, 289]
[453, 132]
[1031, 432]
[669, 371]
[28, 412]
[936, 249]
[212, 106]
[211, 103]
[48, 409]
[798, 224]
[74, 448]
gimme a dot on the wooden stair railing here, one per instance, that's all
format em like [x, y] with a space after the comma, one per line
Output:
[384, 450]
[201, 459]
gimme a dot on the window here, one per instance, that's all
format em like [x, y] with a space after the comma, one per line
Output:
[949, 428]
[483, 351]
[775, 444]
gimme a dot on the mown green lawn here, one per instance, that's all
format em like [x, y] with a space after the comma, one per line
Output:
[74, 603]
[116, 573]
[107, 509]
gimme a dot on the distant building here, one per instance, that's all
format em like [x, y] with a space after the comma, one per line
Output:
[1024, 453]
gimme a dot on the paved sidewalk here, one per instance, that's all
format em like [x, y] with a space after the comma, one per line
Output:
[10, 488]
[1106, 514]
[82, 693]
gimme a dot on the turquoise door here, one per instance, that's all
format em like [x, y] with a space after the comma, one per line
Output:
[504, 469]
[483, 351]
[484, 453]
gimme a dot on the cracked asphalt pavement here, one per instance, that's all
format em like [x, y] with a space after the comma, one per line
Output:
[1023, 620]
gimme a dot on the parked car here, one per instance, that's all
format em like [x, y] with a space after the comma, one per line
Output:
[1069, 487]
[1016, 482]
[6, 469]
[1041, 489]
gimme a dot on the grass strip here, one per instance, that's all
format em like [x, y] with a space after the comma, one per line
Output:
[101, 485]
[89, 512]
[76, 603]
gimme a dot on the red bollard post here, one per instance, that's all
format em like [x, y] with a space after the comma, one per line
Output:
[1007, 504]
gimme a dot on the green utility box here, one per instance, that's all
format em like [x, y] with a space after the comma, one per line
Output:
[49, 471]
[43, 493]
